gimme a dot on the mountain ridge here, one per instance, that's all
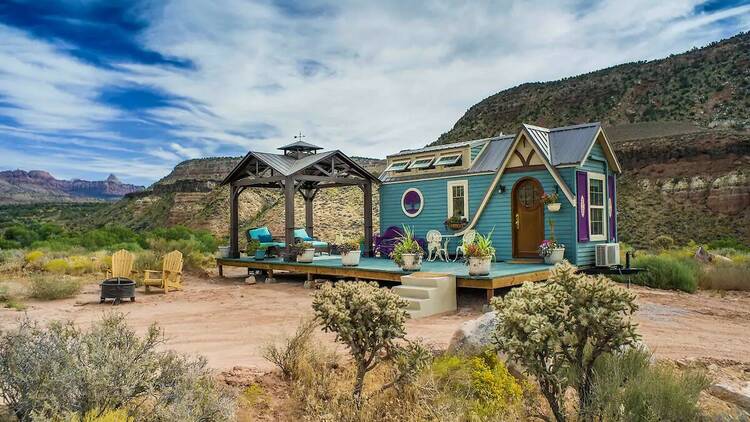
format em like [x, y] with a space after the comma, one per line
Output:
[39, 186]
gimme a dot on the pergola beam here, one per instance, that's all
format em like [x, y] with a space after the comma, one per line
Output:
[255, 181]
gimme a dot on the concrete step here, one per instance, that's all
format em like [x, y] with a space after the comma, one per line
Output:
[421, 282]
[413, 304]
[415, 292]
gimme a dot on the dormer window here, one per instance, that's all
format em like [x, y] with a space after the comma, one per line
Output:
[398, 165]
[421, 163]
[448, 160]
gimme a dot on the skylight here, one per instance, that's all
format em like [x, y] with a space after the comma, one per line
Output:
[448, 160]
[398, 166]
[421, 163]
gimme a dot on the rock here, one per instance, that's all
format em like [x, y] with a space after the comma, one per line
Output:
[739, 395]
[270, 280]
[475, 334]
[250, 280]
[309, 284]
[239, 376]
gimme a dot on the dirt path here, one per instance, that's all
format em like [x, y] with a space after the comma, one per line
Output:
[228, 322]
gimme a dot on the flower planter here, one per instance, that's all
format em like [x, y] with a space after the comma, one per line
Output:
[260, 255]
[223, 252]
[479, 266]
[555, 257]
[351, 258]
[412, 262]
[306, 256]
[455, 226]
[554, 207]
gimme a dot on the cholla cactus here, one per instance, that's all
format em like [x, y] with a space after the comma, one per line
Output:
[558, 329]
[366, 318]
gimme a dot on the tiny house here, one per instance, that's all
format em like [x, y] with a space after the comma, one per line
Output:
[496, 185]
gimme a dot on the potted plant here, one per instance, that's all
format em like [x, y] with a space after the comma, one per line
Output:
[479, 255]
[552, 201]
[301, 252]
[407, 253]
[350, 253]
[223, 252]
[456, 222]
[551, 251]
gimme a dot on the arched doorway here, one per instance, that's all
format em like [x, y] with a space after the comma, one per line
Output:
[527, 218]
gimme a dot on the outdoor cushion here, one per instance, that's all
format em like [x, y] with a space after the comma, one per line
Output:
[260, 231]
[302, 234]
[265, 238]
[319, 244]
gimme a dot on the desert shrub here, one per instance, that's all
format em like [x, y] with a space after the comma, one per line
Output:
[108, 236]
[57, 266]
[627, 387]
[33, 257]
[46, 287]
[663, 242]
[20, 235]
[481, 382]
[725, 276]
[557, 330]
[729, 243]
[193, 257]
[204, 241]
[52, 373]
[80, 264]
[146, 260]
[666, 272]
[369, 321]
[96, 415]
[12, 260]
[287, 356]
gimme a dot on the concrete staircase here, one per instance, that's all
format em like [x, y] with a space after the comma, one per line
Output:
[428, 293]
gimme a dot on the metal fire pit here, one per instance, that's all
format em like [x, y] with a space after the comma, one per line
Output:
[117, 288]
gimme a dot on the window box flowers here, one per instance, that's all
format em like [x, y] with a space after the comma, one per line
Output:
[456, 222]
[350, 253]
[552, 201]
[407, 253]
[479, 255]
[551, 251]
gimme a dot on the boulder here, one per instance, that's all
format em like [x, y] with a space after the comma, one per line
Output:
[739, 395]
[475, 334]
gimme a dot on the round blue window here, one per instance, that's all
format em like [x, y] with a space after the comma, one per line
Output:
[412, 202]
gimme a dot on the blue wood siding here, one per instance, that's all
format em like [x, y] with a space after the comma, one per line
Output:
[596, 163]
[475, 150]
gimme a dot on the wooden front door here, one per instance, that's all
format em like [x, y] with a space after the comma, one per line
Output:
[528, 218]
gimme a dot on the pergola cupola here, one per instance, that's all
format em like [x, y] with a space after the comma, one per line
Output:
[299, 149]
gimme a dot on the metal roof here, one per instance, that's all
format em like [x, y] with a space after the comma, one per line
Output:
[440, 147]
[571, 143]
[540, 136]
[493, 155]
[300, 145]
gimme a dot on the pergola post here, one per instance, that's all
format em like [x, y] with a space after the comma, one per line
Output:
[289, 191]
[309, 197]
[367, 190]
[234, 243]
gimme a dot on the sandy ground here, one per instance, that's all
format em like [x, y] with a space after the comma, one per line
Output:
[229, 322]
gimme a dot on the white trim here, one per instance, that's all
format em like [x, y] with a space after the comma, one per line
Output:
[603, 178]
[421, 202]
[413, 164]
[479, 154]
[465, 185]
[607, 149]
[393, 182]
[456, 155]
[390, 167]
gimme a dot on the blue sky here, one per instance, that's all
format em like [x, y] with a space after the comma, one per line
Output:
[89, 88]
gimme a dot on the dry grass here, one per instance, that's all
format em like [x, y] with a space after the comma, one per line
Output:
[726, 276]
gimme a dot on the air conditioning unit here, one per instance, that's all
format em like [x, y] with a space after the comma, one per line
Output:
[607, 254]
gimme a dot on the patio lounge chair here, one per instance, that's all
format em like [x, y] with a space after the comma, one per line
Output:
[171, 274]
[268, 243]
[435, 245]
[122, 264]
[385, 243]
[319, 245]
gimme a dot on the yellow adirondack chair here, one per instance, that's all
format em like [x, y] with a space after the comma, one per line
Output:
[171, 274]
[122, 264]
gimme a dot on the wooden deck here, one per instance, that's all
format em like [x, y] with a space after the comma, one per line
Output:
[502, 274]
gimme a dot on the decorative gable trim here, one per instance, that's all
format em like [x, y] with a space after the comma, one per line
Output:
[609, 152]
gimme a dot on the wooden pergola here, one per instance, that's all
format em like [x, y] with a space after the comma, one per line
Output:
[301, 168]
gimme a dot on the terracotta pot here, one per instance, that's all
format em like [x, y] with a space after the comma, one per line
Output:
[479, 266]
[554, 207]
[555, 257]
[351, 258]
[412, 262]
[306, 256]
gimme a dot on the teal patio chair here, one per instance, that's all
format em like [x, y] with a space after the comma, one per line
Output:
[319, 245]
[268, 243]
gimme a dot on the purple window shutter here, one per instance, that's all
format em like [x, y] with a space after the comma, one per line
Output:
[612, 208]
[582, 208]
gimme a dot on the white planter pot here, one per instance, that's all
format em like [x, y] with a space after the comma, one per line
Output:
[554, 207]
[351, 258]
[223, 252]
[555, 257]
[479, 266]
[306, 256]
[412, 262]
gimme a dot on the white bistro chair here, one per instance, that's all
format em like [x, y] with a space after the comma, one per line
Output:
[467, 239]
[435, 245]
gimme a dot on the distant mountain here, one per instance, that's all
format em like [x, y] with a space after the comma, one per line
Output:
[707, 86]
[38, 186]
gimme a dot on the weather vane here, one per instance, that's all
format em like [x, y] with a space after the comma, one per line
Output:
[299, 137]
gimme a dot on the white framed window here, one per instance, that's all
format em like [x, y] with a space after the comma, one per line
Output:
[597, 214]
[398, 165]
[421, 163]
[448, 160]
[458, 198]
[412, 202]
